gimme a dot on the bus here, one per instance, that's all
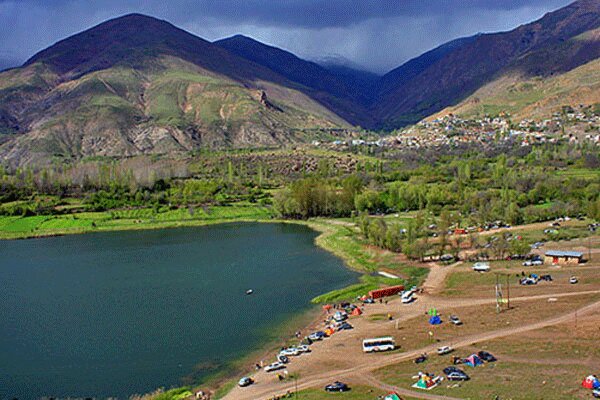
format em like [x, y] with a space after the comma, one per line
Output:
[379, 344]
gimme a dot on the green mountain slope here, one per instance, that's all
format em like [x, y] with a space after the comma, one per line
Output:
[163, 92]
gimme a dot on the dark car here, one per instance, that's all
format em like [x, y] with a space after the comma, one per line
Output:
[421, 359]
[345, 326]
[458, 376]
[337, 387]
[369, 300]
[448, 370]
[485, 356]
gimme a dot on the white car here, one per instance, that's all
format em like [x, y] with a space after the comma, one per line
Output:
[481, 267]
[274, 367]
[531, 263]
[444, 350]
[246, 381]
[290, 351]
[573, 280]
[303, 349]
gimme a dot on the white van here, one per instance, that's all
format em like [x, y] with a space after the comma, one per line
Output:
[379, 344]
[407, 297]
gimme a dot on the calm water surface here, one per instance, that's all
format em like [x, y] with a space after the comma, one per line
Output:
[119, 313]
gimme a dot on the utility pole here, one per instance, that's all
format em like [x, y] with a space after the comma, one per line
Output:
[508, 291]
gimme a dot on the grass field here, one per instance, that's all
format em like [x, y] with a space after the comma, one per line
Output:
[146, 218]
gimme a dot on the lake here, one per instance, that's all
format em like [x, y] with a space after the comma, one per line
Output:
[119, 313]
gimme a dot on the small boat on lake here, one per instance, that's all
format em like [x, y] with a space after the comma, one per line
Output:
[249, 291]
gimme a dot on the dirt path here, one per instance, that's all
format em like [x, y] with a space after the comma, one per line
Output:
[434, 282]
[265, 389]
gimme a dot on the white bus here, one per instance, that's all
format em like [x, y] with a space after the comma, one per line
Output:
[379, 344]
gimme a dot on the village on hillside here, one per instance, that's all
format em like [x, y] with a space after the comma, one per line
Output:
[571, 125]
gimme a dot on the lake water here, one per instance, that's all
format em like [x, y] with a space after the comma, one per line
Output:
[113, 314]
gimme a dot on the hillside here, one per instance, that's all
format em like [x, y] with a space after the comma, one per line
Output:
[537, 98]
[138, 85]
[557, 43]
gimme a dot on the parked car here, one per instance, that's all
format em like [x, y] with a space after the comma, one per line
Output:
[421, 359]
[444, 350]
[485, 356]
[537, 245]
[407, 298]
[345, 326]
[303, 348]
[596, 393]
[274, 366]
[290, 351]
[531, 263]
[455, 320]
[318, 335]
[449, 370]
[573, 280]
[368, 300]
[528, 281]
[458, 376]
[283, 359]
[245, 381]
[547, 278]
[337, 387]
[481, 267]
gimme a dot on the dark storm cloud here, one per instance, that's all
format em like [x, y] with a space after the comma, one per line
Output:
[376, 34]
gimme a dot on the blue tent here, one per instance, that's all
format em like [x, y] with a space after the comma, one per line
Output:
[473, 360]
[435, 320]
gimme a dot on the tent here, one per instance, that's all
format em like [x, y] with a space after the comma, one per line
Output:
[356, 311]
[591, 382]
[435, 320]
[473, 360]
[329, 331]
[427, 382]
[327, 307]
[392, 396]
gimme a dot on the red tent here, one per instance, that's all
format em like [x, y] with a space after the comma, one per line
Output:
[591, 382]
[327, 307]
[356, 312]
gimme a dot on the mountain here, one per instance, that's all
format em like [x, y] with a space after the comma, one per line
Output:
[558, 42]
[341, 95]
[364, 82]
[136, 85]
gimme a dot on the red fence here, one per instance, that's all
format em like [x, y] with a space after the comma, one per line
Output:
[388, 291]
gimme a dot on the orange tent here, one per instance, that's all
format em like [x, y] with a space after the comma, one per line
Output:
[329, 331]
[327, 307]
[356, 312]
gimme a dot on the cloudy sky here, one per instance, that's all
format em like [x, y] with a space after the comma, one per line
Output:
[377, 35]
